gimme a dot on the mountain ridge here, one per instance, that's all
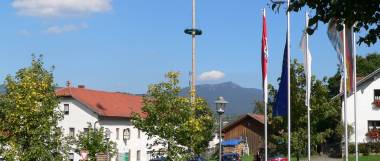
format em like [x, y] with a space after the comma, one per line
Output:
[241, 100]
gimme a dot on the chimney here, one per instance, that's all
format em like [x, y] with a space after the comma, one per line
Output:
[68, 83]
[81, 86]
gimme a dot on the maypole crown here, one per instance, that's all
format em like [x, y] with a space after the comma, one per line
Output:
[193, 31]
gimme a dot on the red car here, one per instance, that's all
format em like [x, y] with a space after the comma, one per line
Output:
[278, 158]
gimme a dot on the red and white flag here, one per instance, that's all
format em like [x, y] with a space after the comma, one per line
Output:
[264, 59]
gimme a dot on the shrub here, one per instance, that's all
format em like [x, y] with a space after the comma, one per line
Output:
[364, 148]
[351, 148]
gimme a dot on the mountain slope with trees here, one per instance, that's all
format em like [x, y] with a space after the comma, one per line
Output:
[241, 100]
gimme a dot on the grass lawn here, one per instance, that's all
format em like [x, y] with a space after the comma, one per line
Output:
[373, 157]
[247, 158]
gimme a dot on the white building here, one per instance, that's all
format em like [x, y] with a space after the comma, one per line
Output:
[106, 109]
[368, 113]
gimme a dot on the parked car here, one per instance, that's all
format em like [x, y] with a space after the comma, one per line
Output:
[272, 155]
[231, 157]
[277, 157]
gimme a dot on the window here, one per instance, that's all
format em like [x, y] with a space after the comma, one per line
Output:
[138, 133]
[85, 130]
[138, 155]
[377, 95]
[117, 133]
[71, 156]
[72, 132]
[373, 124]
[66, 109]
[127, 134]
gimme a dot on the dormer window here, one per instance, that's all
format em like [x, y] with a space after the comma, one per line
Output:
[66, 109]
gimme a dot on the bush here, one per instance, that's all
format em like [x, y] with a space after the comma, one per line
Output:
[364, 148]
[351, 148]
[375, 147]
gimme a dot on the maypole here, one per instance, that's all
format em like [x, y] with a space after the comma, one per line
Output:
[193, 32]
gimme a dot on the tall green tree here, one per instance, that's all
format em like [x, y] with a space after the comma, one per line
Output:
[183, 128]
[94, 142]
[29, 116]
[364, 13]
[325, 120]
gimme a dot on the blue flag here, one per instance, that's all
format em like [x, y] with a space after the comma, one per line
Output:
[281, 105]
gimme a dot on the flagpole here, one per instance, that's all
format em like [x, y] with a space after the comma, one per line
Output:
[288, 49]
[265, 108]
[345, 95]
[356, 138]
[307, 86]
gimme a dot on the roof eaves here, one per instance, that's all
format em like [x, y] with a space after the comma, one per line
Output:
[359, 83]
[251, 115]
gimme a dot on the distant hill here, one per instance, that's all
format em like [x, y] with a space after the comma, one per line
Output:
[241, 100]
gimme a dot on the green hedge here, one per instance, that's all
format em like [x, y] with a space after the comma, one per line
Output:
[365, 148]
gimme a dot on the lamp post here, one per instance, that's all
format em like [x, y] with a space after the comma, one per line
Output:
[220, 105]
[108, 133]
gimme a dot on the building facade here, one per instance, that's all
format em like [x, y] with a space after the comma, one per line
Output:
[249, 127]
[109, 110]
[367, 106]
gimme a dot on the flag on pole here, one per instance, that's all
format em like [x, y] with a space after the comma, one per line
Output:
[264, 64]
[349, 60]
[336, 38]
[281, 105]
[264, 59]
[307, 66]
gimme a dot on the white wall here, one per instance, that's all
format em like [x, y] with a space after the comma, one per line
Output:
[79, 116]
[365, 109]
[130, 146]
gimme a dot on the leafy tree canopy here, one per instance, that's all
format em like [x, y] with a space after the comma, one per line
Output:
[29, 116]
[94, 142]
[365, 13]
[325, 120]
[174, 122]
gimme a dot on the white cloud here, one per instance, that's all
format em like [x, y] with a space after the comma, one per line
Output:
[212, 75]
[65, 28]
[60, 8]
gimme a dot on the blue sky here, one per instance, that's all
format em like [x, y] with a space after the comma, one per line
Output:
[125, 45]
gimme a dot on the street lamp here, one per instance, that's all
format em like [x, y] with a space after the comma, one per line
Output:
[220, 105]
[108, 134]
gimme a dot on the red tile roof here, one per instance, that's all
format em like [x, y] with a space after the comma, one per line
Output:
[110, 104]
